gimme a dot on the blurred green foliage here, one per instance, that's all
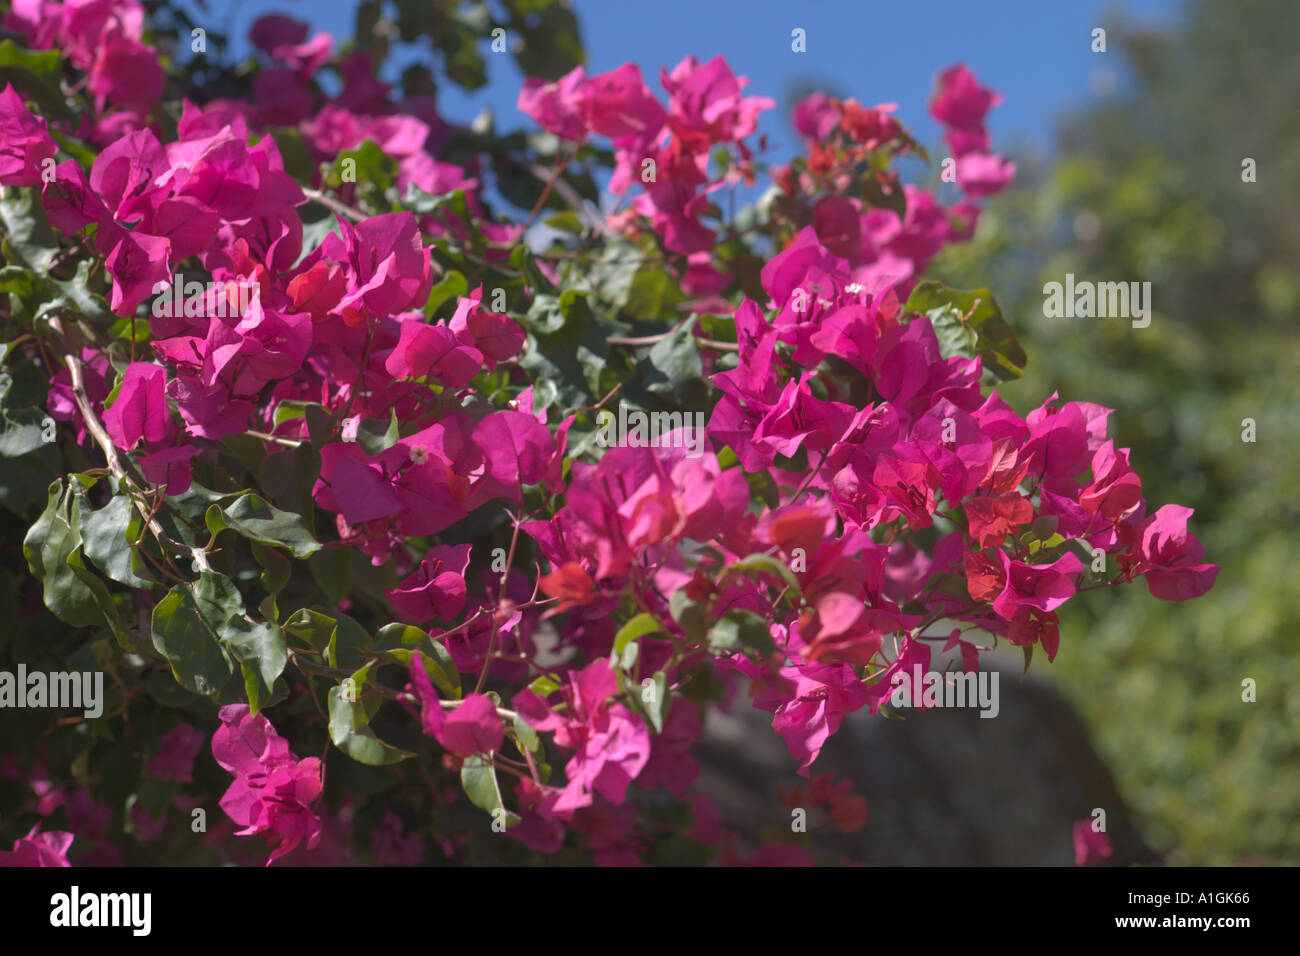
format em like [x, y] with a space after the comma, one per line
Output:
[1148, 186]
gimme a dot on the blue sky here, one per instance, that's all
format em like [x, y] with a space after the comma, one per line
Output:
[1037, 52]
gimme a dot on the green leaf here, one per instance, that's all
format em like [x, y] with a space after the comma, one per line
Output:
[996, 340]
[187, 625]
[565, 221]
[72, 594]
[350, 726]
[544, 686]
[552, 44]
[106, 537]
[45, 294]
[349, 643]
[311, 628]
[641, 625]
[655, 707]
[262, 655]
[691, 617]
[250, 516]
[652, 294]
[23, 480]
[673, 367]
[738, 630]
[763, 563]
[376, 435]
[479, 778]
[23, 430]
[35, 73]
[566, 346]
[435, 657]
[28, 240]
[527, 737]
[453, 285]
[276, 569]
[374, 169]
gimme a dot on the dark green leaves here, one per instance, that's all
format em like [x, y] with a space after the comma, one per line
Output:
[691, 617]
[28, 240]
[106, 538]
[262, 654]
[368, 166]
[566, 346]
[957, 314]
[740, 630]
[479, 779]
[187, 627]
[250, 516]
[52, 547]
[763, 564]
[673, 367]
[34, 73]
[351, 709]
[628, 636]
[201, 628]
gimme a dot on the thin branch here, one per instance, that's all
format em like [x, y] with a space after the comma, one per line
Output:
[329, 202]
[96, 430]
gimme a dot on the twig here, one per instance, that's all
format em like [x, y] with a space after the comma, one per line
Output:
[329, 202]
[96, 430]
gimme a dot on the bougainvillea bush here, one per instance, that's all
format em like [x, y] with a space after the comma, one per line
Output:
[416, 487]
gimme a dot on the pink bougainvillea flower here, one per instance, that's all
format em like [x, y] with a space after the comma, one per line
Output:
[1042, 586]
[170, 468]
[1116, 488]
[25, 144]
[39, 849]
[138, 264]
[273, 791]
[392, 845]
[620, 106]
[140, 410]
[390, 270]
[555, 106]
[983, 174]
[433, 350]
[472, 727]
[498, 338]
[705, 105]
[516, 447]
[177, 749]
[815, 117]
[436, 588]
[1169, 556]
[1090, 846]
[961, 104]
[611, 744]
[127, 74]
